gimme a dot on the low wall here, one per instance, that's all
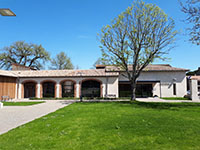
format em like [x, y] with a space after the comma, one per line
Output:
[194, 90]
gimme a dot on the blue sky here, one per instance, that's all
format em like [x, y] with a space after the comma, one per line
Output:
[72, 26]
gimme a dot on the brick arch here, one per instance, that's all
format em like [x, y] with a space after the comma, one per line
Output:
[22, 87]
[89, 79]
[29, 81]
[41, 87]
[60, 86]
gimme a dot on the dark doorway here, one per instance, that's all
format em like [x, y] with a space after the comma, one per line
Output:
[67, 89]
[142, 90]
[48, 89]
[29, 89]
[90, 88]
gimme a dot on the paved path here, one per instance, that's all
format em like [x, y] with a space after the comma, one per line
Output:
[14, 116]
[164, 101]
[151, 99]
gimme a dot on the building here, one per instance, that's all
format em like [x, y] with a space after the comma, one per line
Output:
[193, 81]
[155, 80]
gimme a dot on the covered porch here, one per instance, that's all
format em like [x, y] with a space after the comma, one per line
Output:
[144, 89]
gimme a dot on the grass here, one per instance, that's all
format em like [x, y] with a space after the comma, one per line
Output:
[111, 126]
[175, 98]
[20, 103]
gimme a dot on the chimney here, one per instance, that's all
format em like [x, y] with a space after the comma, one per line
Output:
[21, 67]
[100, 66]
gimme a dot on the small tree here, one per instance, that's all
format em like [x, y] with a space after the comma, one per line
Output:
[61, 62]
[136, 38]
[22, 53]
[192, 9]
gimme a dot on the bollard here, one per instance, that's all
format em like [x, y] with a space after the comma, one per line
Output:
[81, 98]
[1, 105]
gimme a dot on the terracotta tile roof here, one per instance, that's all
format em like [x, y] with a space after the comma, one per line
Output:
[64, 73]
[195, 78]
[7, 73]
[108, 71]
[151, 67]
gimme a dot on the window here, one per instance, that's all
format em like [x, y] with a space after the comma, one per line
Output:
[174, 88]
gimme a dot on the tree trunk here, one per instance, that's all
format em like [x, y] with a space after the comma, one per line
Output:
[133, 89]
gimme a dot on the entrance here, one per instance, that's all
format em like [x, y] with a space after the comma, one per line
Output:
[68, 89]
[142, 89]
[29, 89]
[90, 88]
[48, 89]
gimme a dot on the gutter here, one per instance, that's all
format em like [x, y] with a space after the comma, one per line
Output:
[160, 90]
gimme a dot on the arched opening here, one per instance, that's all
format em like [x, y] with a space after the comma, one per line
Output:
[48, 88]
[29, 89]
[68, 88]
[91, 88]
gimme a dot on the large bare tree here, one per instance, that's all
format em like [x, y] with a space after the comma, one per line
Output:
[136, 38]
[192, 10]
[27, 54]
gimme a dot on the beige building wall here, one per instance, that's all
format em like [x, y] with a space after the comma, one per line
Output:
[110, 82]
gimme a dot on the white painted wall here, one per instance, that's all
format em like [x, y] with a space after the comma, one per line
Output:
[165, 84]
[166, 80]
[16, 90]
[19, 91]
[113, 86]
[194, 90]
[156, 89]
[38, 90]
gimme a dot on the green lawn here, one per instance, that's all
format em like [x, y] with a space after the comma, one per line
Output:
[20, 103]
[175, 98]
[111, 126]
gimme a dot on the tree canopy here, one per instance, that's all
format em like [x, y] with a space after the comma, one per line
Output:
[27, 54]
[100, 61]
[192, 9]
[136, 38]
[61, 61]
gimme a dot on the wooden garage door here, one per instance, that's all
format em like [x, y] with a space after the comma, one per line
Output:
[7, 86]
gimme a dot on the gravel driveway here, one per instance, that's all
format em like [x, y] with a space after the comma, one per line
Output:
[14, 116]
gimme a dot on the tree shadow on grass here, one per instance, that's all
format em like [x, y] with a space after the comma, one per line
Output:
[157, 105]
[152, 105]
